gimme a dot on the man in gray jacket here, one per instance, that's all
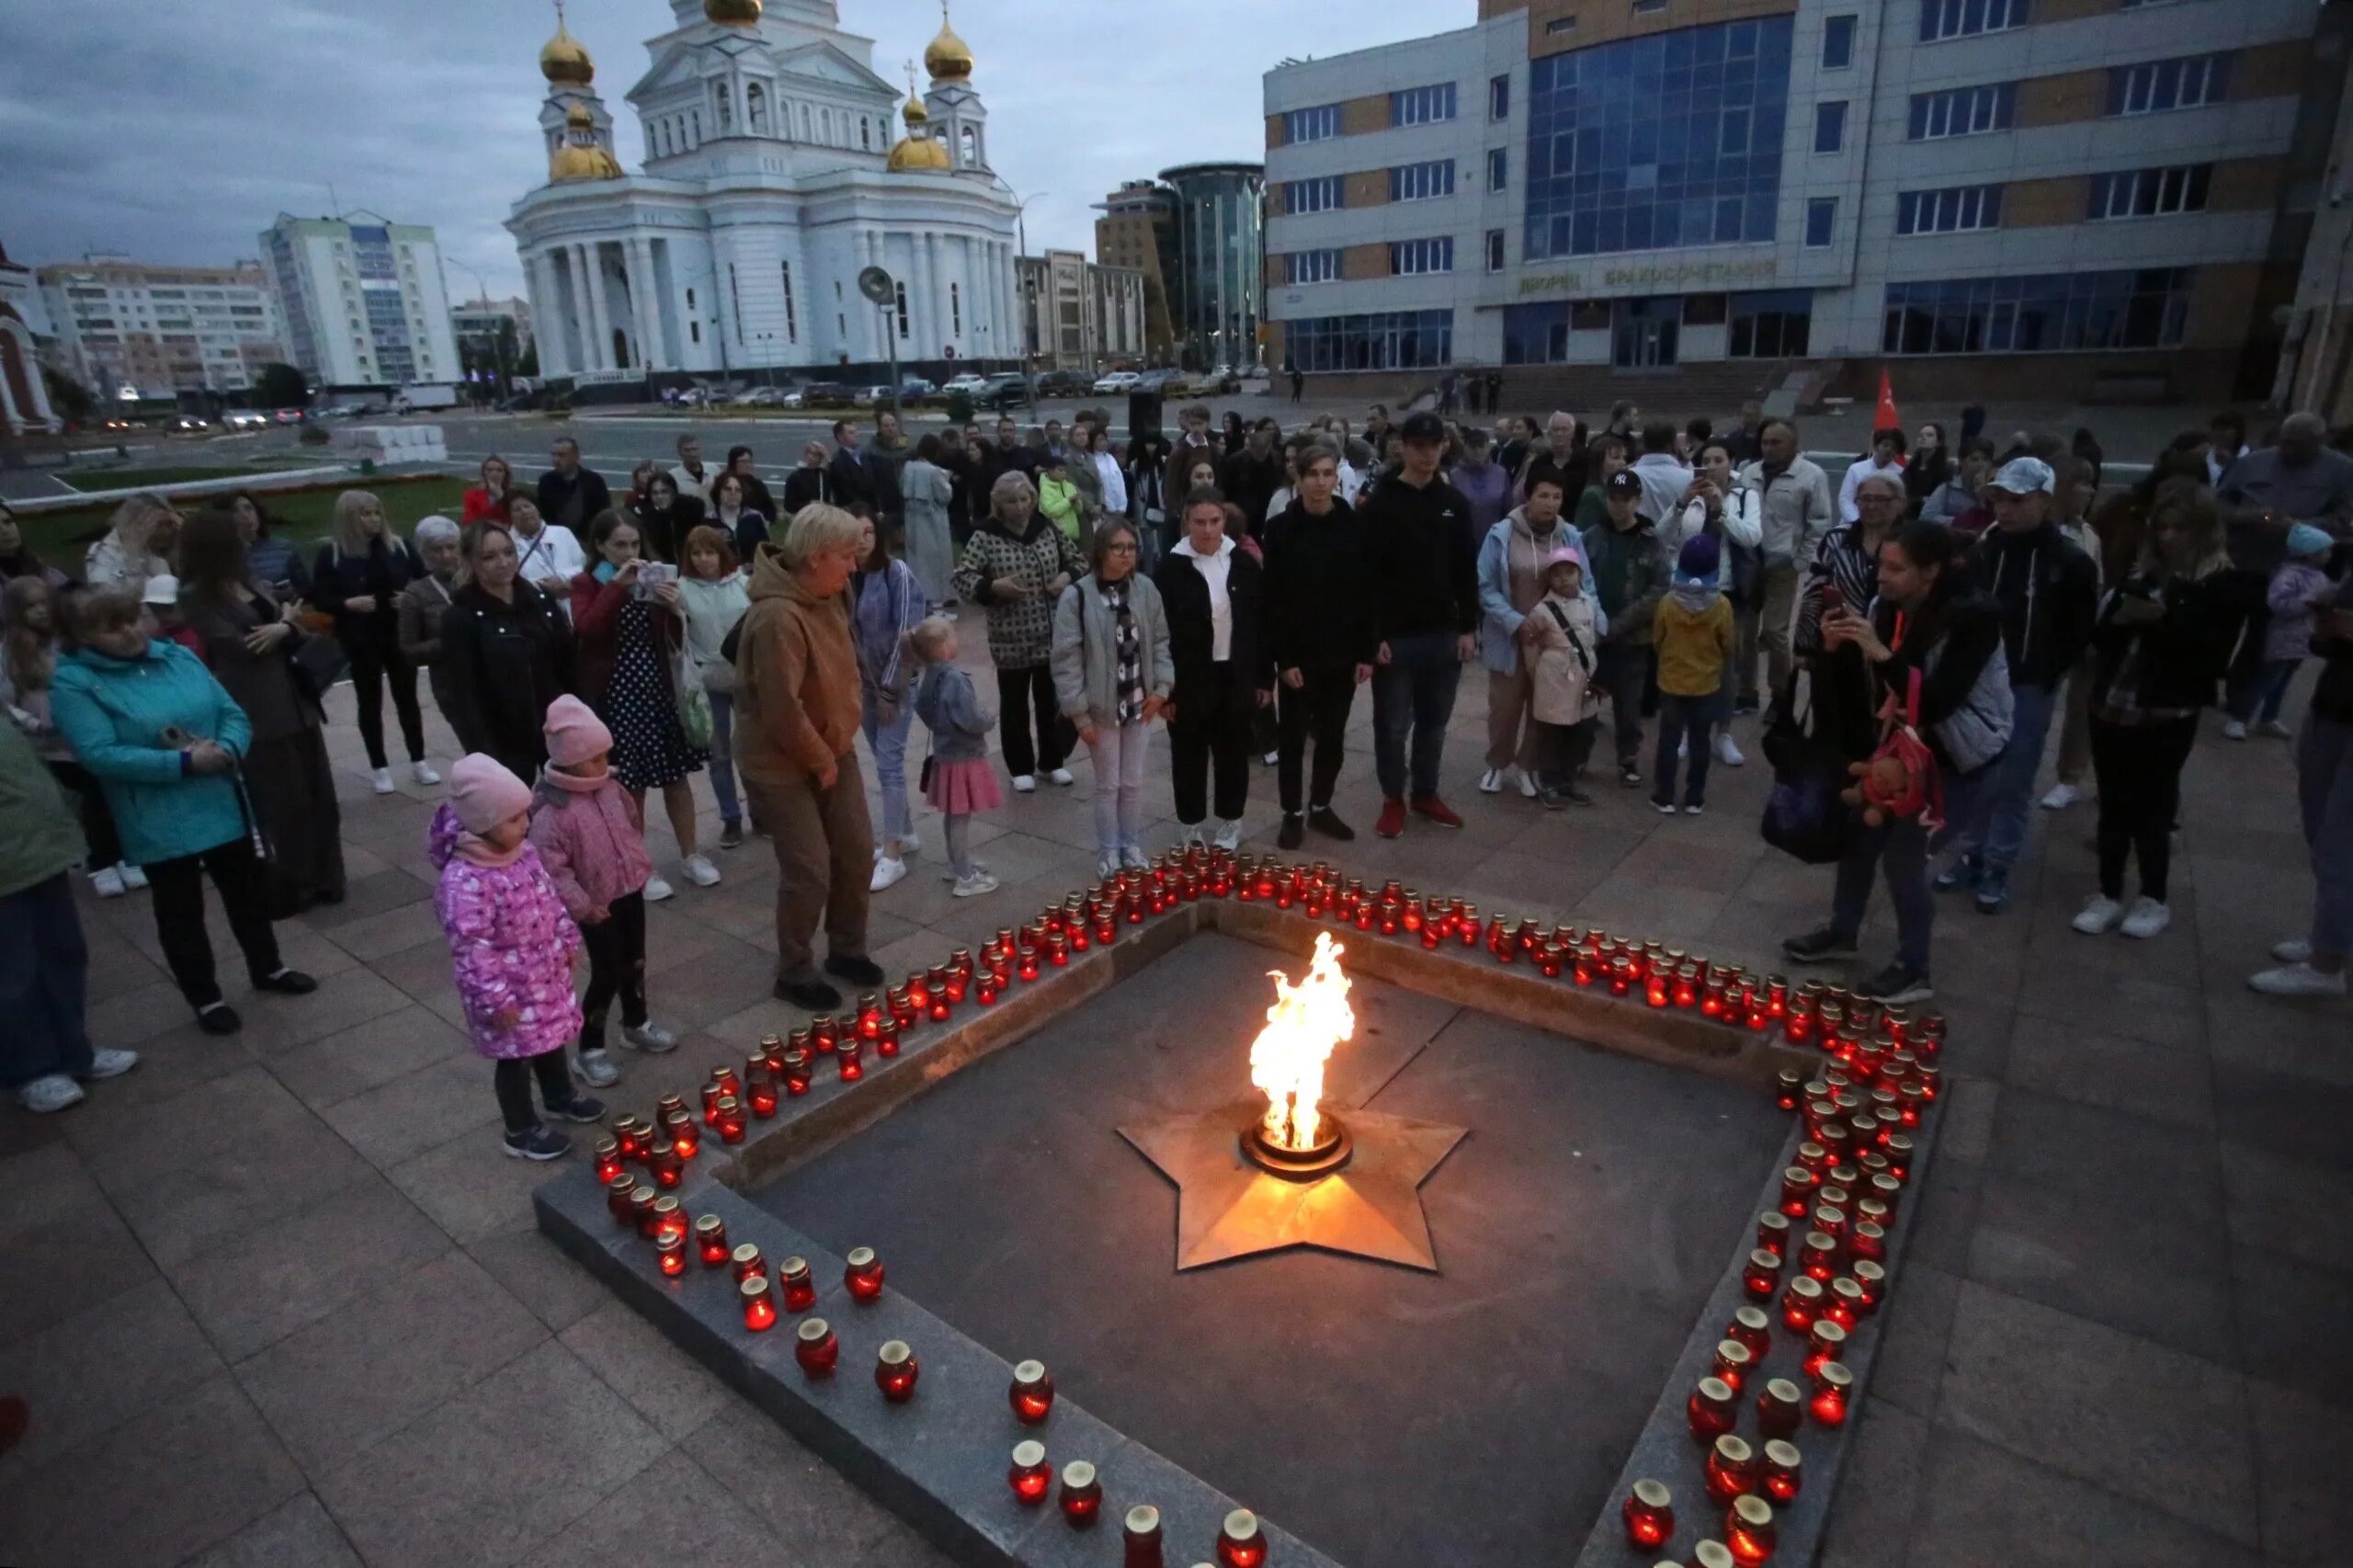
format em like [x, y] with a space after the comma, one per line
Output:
[1796, 515]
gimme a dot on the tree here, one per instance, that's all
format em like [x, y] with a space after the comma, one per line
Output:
[69, 397]
[528, 362]
[280, 386]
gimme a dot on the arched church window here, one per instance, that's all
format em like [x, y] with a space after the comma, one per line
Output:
[804, 122]
[756, 109]
[969, 148]
[865, 134]
[726, 111]
[826, 126]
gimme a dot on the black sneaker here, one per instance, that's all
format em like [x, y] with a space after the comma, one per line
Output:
[864, 974]
[813, 995]
[1746, 704]
[1896, 986]
[582, 1107]
[1326, 821]
[1629, 774]
[538, 1143]
[731, 836]
[1819, 946]
[1574, 793]
[287, 982]
[219, 1018]
[1293, 831]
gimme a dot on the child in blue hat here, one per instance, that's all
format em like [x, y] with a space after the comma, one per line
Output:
[1692, 630]
[2298, 586]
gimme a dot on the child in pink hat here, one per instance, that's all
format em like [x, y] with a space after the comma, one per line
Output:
[514, 948]
[591, 832]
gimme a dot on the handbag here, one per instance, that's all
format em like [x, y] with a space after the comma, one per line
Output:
[693, 701]
[1804, 817]
[318, 662]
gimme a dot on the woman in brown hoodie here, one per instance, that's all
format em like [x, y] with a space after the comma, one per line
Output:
[796, 738]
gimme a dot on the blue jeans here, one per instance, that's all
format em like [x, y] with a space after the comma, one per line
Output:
[1678, 717]
[2007, 804]
[723, 756]
[1902, 849]
[43, 965]
[888, 741]
[1413, 694]
[1119, 751]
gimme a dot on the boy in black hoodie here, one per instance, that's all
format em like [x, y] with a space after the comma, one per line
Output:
[2048, 593]
[1323, 631]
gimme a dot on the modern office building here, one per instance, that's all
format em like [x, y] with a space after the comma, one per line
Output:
[128, 330]
[2039, 198]
[772, 178]
[1079, 315]
[1216, 302]
[363, 301]
[1138, 229]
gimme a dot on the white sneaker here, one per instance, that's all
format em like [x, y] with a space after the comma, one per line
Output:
[910, 846]
[53, 1092]
[979, 883]
[1272, 757]
[2235, 730]
[1189, 836]
[649, 1036]
[597, 1071]
[2295, 949]
[1693, 811]
[656, 890]
[1683, 747]
[133, 877]
[423, 773]
[382, 779]
[1527, 783]
[2276, 730]
[887, 869]
[1131, 857]
[2099, 915]
[1024, 782]
[2148, 917]
[1491, 782]
[110, 1065]
[1229, 835]
[2297, 980]
[700, 871]
[1106, 863]
[2061, 797]
[1726, 752]
[107, 883]
[1060, 775]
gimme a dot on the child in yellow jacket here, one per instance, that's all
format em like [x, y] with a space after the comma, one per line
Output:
[1692, 631]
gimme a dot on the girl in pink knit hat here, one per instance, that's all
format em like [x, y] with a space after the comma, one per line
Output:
[590, 831]
[514, 948]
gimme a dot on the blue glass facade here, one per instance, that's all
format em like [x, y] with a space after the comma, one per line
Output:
[1670, 140]
[1382, 340]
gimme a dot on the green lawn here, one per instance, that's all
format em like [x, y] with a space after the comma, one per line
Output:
[63, 538]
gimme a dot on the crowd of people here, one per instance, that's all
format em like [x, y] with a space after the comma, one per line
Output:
[1911, 625]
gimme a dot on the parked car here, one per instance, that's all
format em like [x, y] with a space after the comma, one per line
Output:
[816, 393]
[1007, 390]
[915, 386]
[286, 416]
[969, 382]
[187, 424]
[244, 419]
[764, 397]
[1117, 382]
[1063, 383]
[1165, 382]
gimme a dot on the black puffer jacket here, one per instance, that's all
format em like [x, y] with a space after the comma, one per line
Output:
[506, 662]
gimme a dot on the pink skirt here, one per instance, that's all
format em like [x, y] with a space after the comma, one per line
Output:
[960, 789]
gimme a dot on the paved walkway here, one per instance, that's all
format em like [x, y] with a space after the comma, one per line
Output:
[277, 1298]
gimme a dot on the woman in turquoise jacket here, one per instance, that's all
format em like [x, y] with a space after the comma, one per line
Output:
[147, 719]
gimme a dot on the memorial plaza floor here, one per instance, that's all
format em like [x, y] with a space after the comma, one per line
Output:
[277, 1298]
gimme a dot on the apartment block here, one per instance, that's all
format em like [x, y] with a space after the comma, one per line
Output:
[131, 330]
[363, 299]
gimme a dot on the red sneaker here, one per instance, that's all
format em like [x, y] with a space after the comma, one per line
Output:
[1392, 819]
[1438, 810]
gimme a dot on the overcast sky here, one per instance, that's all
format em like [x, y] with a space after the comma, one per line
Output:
[175, 131]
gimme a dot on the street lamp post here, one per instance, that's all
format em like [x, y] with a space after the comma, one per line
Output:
[1028, 294]
[497, 341]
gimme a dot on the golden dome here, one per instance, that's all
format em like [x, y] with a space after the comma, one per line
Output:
[949, 57]
[919, 152]
[578, 117]
[579, 157]
[563, 62]
[914, 113]
[732, 13]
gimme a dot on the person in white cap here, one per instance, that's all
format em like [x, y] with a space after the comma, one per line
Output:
[2048, 591]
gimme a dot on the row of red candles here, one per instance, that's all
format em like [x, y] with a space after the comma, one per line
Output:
[817, 1351]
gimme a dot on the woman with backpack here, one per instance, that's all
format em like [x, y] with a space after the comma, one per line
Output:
[1932, 648]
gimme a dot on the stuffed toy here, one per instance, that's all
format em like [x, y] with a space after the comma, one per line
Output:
[1882, 788]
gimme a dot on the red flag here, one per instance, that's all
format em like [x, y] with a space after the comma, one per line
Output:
[1886, 418]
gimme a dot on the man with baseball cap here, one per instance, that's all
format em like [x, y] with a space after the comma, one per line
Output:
[1422, 560]
[1630, 571]
[2048, 591]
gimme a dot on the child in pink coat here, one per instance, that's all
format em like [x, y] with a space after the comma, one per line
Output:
[513, 947]
[591, 832]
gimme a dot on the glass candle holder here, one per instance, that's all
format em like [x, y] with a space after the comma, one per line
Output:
[816, 1349]
[1687, 984]
[1778, 1476]
[642, 1199]
[887, 1042]
[670, 1252]
[759, 1308]
[609, 1159]
[762, 1093]
[1797, 1191]
[1649, 1513]
[799, 1291]
[799, 1069]
[1140, 1537]
[1761, 1276]
[669, 1218]
[987, 988]
[1825, 1341]
[732, 1120]
[1802, 1304]
[618, 1190]
[1240, 1542]
[1656, 989]
[825, 1031]
[1844, 1303]
[904, 1009]
[1781, 1408]
[895, 1370]
[1749, 1532]
[849, 1059]
[1733, 1362]
[1058, 952]
[1081, 1496]
[1711, 1554]
[870, 1014]
[1753, 1329]
[1818, 1256]
[1731, 1469]
[1712, 1411]
[1032, 1394]
[772, 1050]
[1031, 1477]
[746, 1261]
[1466, 923]
[712, 1095]
[626, 1134]
[684, 1132]
[711, 1240]
[1898, 1149]
[1832, 1384]
[1788, 1083]
[1869, 1242]
[1773, 1233]
[862, 1277]
[1871, 1285]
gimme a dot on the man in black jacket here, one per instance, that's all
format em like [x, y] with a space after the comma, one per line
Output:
[1424, 565]
[569, 494]
[1324, 637]
[1251, 476]
[852, 486]
[2048, 591]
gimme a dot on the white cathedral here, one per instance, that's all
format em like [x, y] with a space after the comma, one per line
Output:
[773, 175]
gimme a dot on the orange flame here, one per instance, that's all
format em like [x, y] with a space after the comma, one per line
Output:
[1287, 1059]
